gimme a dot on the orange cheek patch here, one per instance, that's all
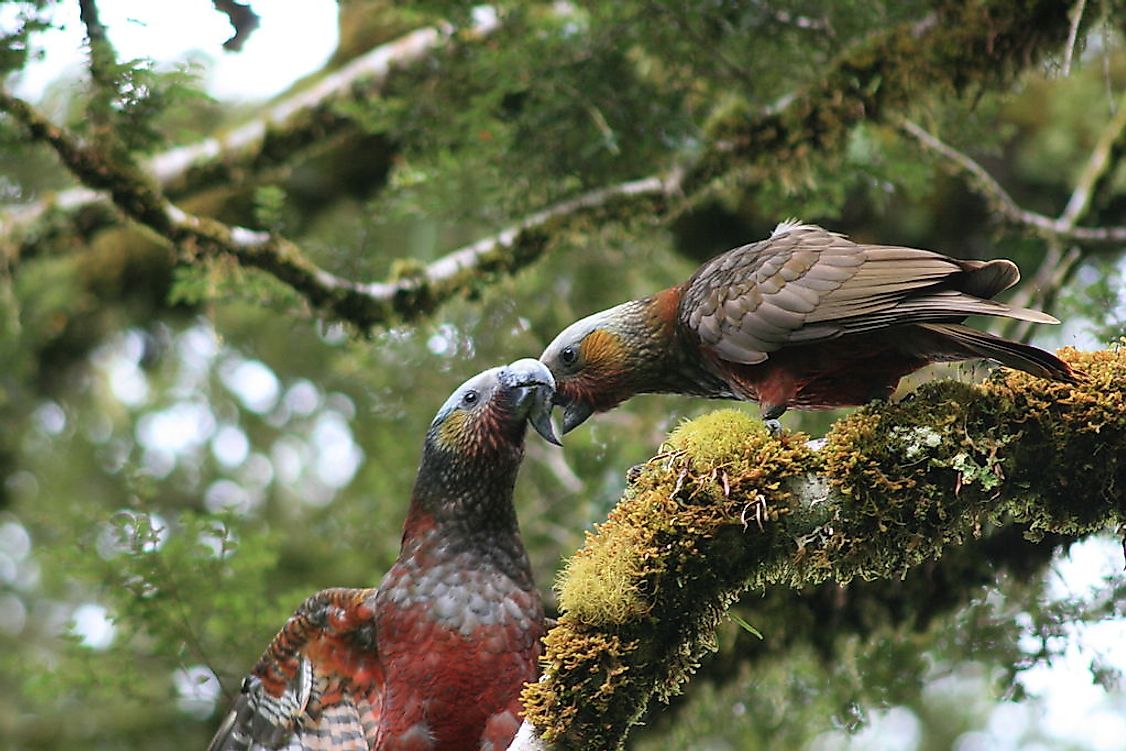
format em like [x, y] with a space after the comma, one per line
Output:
[603, 352]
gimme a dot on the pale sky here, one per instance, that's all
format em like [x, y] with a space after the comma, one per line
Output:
[294, 38]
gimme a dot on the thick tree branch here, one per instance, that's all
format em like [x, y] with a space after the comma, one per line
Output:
[725, 507]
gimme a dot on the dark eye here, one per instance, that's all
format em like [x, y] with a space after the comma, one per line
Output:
[469, 398]
[568, 355]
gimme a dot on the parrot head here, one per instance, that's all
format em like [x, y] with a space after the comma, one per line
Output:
[491, 410]
[601, 360]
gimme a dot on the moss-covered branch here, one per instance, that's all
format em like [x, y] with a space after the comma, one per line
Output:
[726, 507]
[414, 291]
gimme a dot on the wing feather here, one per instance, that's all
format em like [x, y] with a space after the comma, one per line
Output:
[805, 284]
[317, 687]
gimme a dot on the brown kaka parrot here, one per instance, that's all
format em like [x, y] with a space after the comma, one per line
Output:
[434, 659]
[805, 319]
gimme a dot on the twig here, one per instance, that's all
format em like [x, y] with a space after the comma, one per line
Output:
[1098, 171]
[1072, 34]
[102, 55]
[1000, 200]
[243, 20]
[1056, 268]
[1053, 274]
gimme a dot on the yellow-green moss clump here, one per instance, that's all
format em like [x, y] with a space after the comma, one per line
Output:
[719, 438]
[682, 497]
[601, 584]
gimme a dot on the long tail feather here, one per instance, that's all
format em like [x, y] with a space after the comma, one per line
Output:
[1037, 362]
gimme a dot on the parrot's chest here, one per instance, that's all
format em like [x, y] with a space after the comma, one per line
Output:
[458, 636]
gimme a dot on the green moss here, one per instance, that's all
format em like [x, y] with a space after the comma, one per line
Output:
[602, 584]
[718, 438]
[661, 571]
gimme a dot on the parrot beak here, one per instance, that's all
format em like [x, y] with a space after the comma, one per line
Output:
[540, 417]
[538, 385]
[575, 414]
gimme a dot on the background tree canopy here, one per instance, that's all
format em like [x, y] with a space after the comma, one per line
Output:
[225, 327]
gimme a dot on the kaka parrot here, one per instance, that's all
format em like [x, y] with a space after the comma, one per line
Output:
[435, 658]
[805, 319]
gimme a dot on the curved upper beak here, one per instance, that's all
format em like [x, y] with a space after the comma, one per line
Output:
[538, 392]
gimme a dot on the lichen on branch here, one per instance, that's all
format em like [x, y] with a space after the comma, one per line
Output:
[725, 507]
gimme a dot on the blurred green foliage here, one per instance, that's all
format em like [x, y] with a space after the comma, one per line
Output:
[186, 451]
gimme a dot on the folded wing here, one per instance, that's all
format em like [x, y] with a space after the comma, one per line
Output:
[805, 285]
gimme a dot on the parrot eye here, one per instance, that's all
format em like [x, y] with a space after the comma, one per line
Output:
[469, 398]
[568, 355]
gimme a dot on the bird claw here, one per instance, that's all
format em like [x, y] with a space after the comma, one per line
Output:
[774, 427]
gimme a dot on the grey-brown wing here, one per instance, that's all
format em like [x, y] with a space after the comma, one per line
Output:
[805, 284]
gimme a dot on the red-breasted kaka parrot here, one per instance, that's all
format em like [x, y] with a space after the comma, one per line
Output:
[805, 319]
[435, 658]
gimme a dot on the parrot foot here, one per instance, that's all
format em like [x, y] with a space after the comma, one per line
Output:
[773, 426]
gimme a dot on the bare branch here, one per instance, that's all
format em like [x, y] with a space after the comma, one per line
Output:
[1057, 268]
[1099, 169]
[1001, 202]
[1072, 35]
[1054, 271]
